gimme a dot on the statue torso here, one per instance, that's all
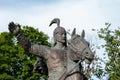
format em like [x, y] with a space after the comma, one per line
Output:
[56, 62]
[59, 64]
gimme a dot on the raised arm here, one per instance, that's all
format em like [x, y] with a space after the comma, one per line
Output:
[24, 42]
[35, 49]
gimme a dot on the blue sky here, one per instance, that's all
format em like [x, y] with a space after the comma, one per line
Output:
[7, 4]
[80, 14]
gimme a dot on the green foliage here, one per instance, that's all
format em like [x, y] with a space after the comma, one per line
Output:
[15, 63]
[35, 36]
[112, 49]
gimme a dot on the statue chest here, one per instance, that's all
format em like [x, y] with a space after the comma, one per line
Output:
[57, 60]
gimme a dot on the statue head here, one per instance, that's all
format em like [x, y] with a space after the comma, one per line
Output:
[59, 33]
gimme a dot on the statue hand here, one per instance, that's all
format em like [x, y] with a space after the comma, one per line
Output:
[13, 28]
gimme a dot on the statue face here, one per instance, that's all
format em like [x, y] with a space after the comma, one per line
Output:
[60, 37]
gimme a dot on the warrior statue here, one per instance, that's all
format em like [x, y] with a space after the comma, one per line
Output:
[60, 59]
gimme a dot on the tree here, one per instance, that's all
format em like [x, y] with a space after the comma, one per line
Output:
[15, 63]
[112, 49]
[7, 50]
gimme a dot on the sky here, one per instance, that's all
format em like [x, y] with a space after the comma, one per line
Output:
[79, 14]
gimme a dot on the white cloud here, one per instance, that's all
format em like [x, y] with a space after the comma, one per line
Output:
[81, 14]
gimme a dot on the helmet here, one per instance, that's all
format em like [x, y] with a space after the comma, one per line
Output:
[58, 30]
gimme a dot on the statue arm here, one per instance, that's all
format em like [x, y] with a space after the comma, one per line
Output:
[38, 50]
[23, 41]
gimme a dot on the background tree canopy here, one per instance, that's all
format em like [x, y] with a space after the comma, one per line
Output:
[15, 63]
[111, 45]
[112, 49]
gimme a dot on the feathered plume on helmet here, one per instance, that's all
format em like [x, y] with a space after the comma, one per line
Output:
[55, 20]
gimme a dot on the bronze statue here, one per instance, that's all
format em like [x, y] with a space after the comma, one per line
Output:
[62, 60]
